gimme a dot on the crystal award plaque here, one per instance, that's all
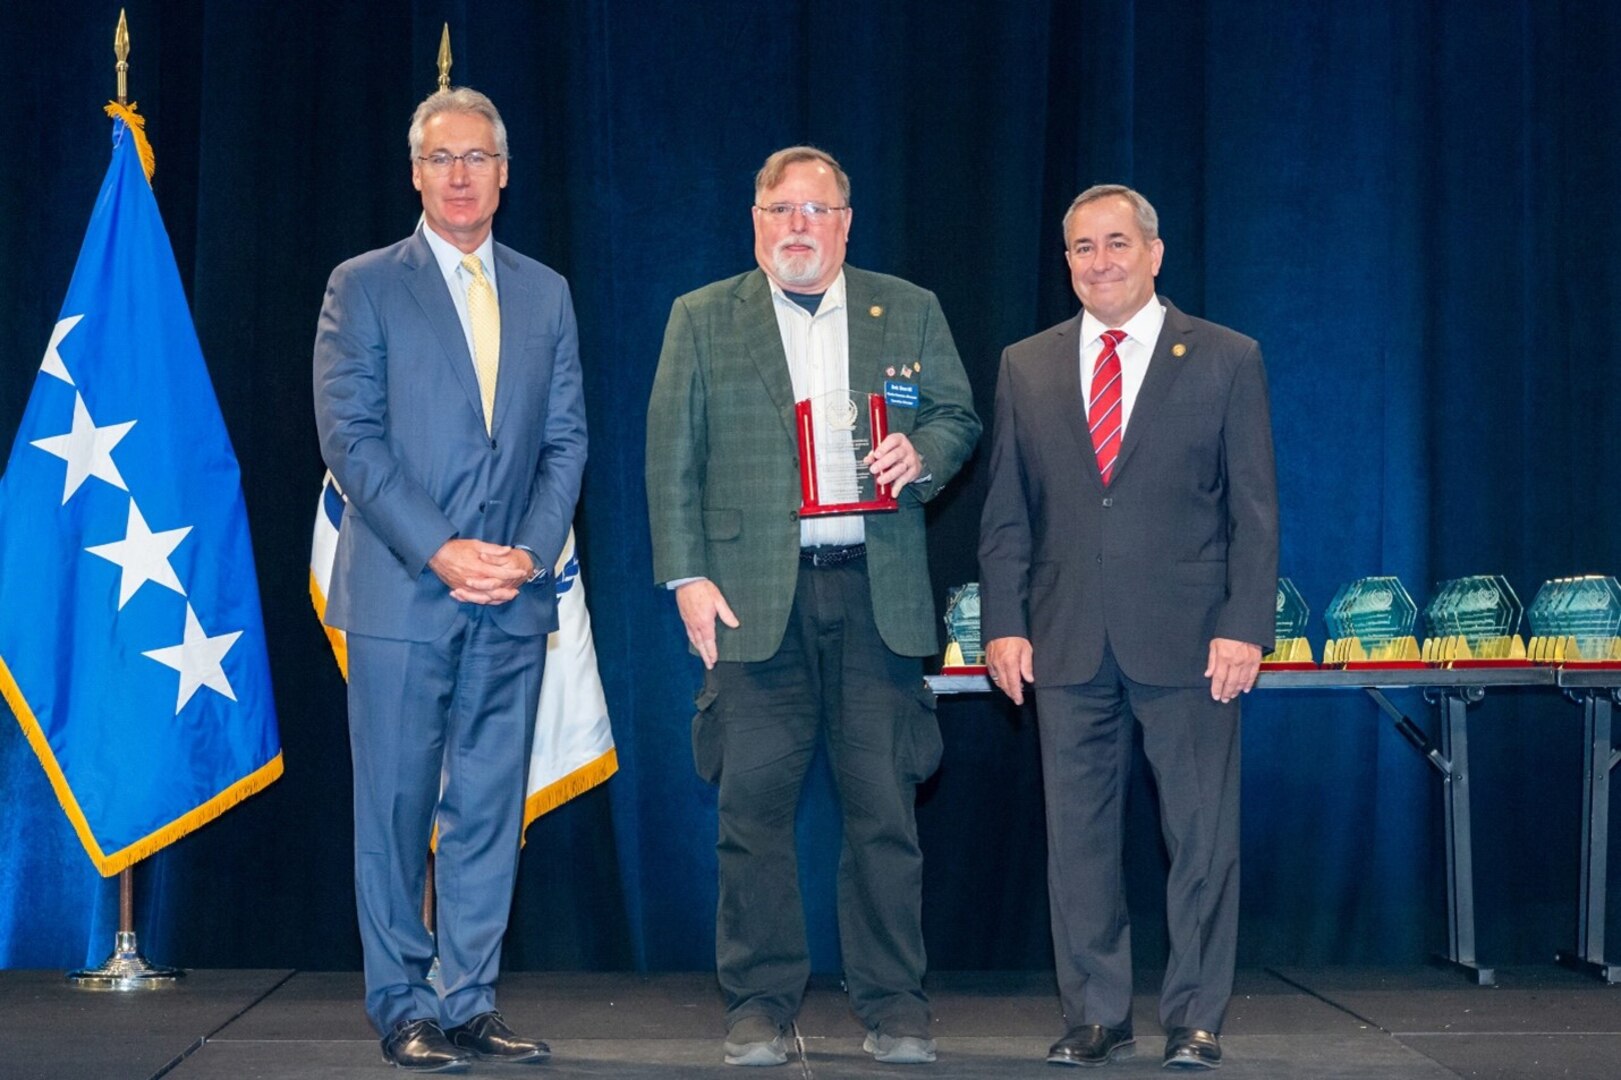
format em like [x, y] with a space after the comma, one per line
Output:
[965, 653]
[1474, 622]
[1576, 621]
[836, 431]
[1292, 652]
[1370, 623]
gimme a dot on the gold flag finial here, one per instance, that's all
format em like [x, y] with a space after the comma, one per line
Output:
[444, 58]
[121, 50]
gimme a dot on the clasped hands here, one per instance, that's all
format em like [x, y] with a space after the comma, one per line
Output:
[478, 572]
[1231, 668]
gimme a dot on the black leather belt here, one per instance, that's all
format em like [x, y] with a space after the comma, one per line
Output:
[832, 556]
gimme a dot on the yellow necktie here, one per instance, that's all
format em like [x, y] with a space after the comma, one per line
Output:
[485, 315]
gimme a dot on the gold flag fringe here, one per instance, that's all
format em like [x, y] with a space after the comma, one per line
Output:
[112, 863]
[339, 641]
[136, 123]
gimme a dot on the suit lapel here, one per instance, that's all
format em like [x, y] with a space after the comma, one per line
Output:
[427, 284]
[865, 318]
[1163, 368]
[758, 326]
[1065, 359]
[518, 304]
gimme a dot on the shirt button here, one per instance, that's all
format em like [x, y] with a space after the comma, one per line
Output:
[1108, 500]
[1100, 560]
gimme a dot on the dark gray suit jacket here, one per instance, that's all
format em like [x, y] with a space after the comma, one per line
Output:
[1180, 548]
[402, 429]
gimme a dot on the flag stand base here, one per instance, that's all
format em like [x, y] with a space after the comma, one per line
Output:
[125, 969]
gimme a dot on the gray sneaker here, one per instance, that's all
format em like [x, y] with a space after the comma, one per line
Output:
[899, 1049]
[755, 1040]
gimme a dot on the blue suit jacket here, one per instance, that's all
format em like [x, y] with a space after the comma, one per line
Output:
[402, 429]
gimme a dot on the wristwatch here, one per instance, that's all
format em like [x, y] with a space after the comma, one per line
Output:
[539, 570]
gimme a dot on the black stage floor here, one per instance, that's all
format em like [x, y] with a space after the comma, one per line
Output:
[1284, 1023]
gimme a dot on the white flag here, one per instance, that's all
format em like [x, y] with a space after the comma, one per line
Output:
[574, 743]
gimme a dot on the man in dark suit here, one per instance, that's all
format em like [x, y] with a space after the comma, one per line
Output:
[808, 628]
[448, 399]
[1128, 568]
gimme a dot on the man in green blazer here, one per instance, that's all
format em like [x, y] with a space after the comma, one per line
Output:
[808, 627]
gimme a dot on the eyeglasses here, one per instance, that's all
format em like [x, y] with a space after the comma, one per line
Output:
[815, 213]
[477, 161]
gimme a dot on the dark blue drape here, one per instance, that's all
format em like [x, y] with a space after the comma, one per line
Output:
[1410, 205]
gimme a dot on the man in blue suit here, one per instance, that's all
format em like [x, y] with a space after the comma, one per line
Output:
[448, 401]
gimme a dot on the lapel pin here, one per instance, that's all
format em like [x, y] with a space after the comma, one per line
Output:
[875, 311]
[890, 371]
[917, 367]
[1179, 349]
[906, 372]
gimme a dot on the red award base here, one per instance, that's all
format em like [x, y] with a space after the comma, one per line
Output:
[811, 502]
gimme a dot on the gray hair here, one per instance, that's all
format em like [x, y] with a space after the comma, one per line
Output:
[771, 173]
[1147, 218]
[457, 99]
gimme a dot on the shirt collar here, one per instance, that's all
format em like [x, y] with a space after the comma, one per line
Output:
[449, 257]
[832, 300]
[1142, 327]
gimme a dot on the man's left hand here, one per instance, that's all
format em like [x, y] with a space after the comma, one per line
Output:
[506, 569]
[1232, 668]
[895, 462]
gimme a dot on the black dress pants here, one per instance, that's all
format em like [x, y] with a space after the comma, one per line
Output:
[755, 734]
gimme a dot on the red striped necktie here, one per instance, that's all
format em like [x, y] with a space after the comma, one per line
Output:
[1103, 418]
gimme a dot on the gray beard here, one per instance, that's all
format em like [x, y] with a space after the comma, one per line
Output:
[797, 270]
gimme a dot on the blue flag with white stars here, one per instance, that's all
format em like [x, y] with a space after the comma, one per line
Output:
[132, 650]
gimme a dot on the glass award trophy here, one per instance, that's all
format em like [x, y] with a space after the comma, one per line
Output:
[1474, 622]
[1292, 652]
[1370, 625]
[965, 653]
[836, 431]
[1576, 622]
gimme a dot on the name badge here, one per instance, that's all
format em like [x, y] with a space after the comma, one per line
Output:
[900, 394]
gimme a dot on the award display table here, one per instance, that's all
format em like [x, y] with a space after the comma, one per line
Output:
[1450, 691]
[1597, 691]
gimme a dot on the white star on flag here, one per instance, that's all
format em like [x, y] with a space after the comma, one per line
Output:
[52, 364]
[143, 555]
[197, 658]
[87, 449]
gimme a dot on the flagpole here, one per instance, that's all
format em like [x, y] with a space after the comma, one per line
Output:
[429, 897]
[125, 968]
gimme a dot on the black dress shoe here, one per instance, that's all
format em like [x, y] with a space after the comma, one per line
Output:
[1092, 1044]
[1192, 1048]
[421, 1046]
[487, 1037]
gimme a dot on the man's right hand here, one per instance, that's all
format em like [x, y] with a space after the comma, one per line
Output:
[1010, 664]
[700, 602]
[478, 572]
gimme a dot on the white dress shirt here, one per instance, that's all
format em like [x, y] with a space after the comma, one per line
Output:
[1142, 334]
[818, 351]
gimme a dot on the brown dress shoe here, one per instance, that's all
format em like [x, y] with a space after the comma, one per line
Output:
[487, 1037]
[421, 1046]
[1092, 1044]
[1192, 1048]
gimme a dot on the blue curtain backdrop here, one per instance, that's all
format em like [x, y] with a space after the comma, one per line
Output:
[1412, 206]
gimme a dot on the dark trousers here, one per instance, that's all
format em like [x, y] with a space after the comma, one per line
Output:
[439, 728]
[1192, 746]
[755, 734]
